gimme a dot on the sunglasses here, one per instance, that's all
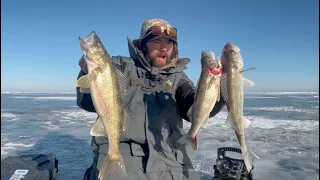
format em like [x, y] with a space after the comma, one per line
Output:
[159, 30]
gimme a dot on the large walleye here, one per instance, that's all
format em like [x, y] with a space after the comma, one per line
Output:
[102, 81]
[207, 94]
[232, 91]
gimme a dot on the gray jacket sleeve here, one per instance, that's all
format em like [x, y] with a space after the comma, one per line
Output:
[185, 98]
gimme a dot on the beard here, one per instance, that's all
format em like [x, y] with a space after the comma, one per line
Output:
[154, 61]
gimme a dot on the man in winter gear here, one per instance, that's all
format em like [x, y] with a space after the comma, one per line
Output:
[157, 101]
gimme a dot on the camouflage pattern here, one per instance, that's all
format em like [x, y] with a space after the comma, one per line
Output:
[150, 23]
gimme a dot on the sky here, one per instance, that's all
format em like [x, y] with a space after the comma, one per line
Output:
[40, 48]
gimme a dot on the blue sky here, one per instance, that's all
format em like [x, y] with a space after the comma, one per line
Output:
[40, 49]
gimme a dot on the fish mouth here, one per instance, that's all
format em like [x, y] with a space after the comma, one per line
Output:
[90, 39]
[88, 42]
[216, 71]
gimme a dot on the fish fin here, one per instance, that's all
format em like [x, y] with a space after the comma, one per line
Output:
[85, 90]
[205, 122]
[223, 87]
[230, 122]
[247, 82]
[246, 122]
[248, 69]
[188, 139]
[98, 129]
[123, 83]
[112, 168]
[83, 82]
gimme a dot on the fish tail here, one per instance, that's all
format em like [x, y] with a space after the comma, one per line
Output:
[246, 158]
[188, 139]
[246, 122]
[244, 152]
[112, 167]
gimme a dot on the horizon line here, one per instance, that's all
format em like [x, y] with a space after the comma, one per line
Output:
[71, 92]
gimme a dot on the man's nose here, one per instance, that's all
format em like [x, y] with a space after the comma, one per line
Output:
[163, 47]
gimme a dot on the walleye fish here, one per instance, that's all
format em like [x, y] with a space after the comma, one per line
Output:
[102, 81]
[232, 92]
[207, 94]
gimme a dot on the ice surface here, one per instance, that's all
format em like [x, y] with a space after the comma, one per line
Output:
[283, 133]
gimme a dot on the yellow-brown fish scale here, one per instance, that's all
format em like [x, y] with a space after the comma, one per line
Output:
[107, 100]
[235, 90]
[207, 90]
[96, 54]
[235, 97]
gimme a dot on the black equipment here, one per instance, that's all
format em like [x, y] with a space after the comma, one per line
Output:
[30, 167]
[227, 168]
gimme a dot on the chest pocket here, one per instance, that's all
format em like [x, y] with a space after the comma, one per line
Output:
[149, 90]
[154, 81]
